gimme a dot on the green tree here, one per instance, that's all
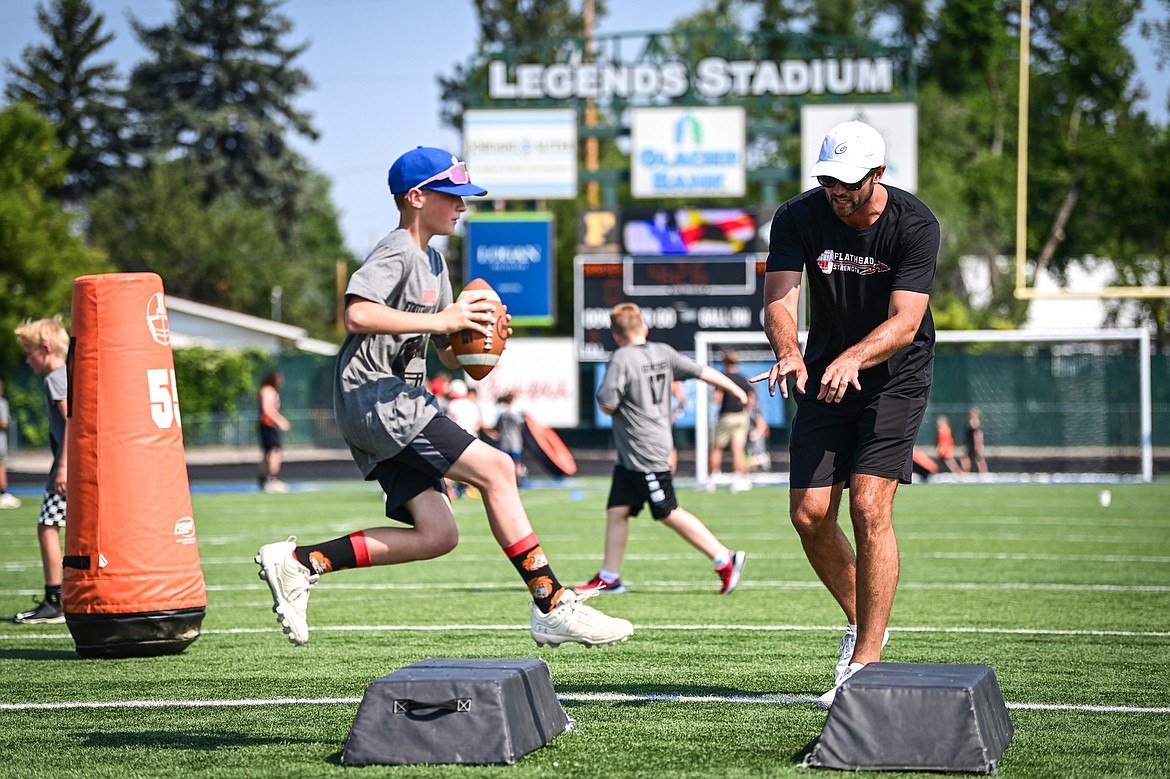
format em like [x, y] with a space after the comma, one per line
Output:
[307, 273]
[78, 97]
[967, 150]
[219, 89]
[40, 254]
[226, 252]
[542, 25]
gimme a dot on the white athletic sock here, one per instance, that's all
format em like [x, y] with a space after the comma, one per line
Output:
[609, 577]
[722, 559]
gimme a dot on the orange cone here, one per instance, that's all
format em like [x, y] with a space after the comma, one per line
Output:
[133, 586]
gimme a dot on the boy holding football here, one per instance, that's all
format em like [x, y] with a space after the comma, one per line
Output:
[636, 392]
[394, 305]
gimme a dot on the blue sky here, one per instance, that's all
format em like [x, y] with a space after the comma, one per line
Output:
[374, 64]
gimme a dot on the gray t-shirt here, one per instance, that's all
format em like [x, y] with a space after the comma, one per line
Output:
[379, 394]
[56, 388]
[637, 386]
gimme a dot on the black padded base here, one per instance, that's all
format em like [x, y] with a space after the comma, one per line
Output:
[473, 711]
[145, 634]
[915, 717]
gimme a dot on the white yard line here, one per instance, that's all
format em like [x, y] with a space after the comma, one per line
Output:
[580, 698]
[666, 627]
[659, 585]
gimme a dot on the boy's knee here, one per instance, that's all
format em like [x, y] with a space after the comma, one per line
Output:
[498, 472]
[446, 541]
[441, 539]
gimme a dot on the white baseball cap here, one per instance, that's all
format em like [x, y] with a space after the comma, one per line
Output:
[850, 151]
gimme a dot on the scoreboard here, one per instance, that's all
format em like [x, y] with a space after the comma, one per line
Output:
[679, 296]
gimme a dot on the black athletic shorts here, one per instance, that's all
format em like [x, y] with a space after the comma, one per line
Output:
[634, 489]
[269, 437]
[832, 441]
[421, 465]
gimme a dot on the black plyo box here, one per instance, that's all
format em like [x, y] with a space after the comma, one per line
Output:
[471, 711]
[915, 717]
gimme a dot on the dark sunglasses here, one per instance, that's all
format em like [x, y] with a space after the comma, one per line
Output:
[828, 182]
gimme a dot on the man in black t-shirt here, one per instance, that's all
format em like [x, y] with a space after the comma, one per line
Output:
[869, 251]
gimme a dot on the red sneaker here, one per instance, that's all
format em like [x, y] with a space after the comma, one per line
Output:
[730, 572]
[597, 584]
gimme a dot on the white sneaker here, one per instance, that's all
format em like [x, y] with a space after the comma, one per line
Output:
[275, 487]
[290, 583]
[9, 501]
[741, 485]
[573, 621]
[826, 700]
[848, 642]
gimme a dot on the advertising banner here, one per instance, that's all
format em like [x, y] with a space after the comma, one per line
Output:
[541, 375]
[514, 252]
[522, 154]
[687, 152]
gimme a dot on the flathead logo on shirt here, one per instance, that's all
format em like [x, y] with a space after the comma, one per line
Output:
[825, 261]
[829, 261]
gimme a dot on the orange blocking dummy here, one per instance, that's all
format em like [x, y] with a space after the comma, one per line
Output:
[133, 586]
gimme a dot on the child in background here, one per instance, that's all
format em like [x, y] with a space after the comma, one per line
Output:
[636, 392]
[46, 346]
[509, 432]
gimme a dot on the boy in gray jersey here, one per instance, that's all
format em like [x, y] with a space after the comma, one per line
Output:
[394, 304]
[636, 391]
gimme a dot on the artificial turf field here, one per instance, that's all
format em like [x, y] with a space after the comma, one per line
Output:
[1068, 601]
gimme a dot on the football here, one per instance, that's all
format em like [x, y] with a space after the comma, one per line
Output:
[477, 353]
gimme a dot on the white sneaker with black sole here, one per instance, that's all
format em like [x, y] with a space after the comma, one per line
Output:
[290, 583]
[573, 622]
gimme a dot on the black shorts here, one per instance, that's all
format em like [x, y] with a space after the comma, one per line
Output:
[832, 441]
[269, 437]
[421, 465]
[634, 489]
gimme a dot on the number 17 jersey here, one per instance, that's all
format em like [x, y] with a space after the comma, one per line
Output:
[637, 386]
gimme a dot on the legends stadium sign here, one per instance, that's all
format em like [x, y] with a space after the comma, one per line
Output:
[713, 77]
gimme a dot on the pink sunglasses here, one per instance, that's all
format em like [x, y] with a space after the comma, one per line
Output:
[457, 173]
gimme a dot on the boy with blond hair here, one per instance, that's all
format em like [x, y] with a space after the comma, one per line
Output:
[636, 391]
[46, 346]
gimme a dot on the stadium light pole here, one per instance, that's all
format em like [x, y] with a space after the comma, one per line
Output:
[1022, 148]
[592, 187]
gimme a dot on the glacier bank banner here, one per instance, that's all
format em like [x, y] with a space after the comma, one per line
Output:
[687, 152]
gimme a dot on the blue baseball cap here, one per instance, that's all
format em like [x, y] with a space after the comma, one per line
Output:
[425, 167]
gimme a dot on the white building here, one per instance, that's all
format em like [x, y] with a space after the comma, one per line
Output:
[198, 324]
